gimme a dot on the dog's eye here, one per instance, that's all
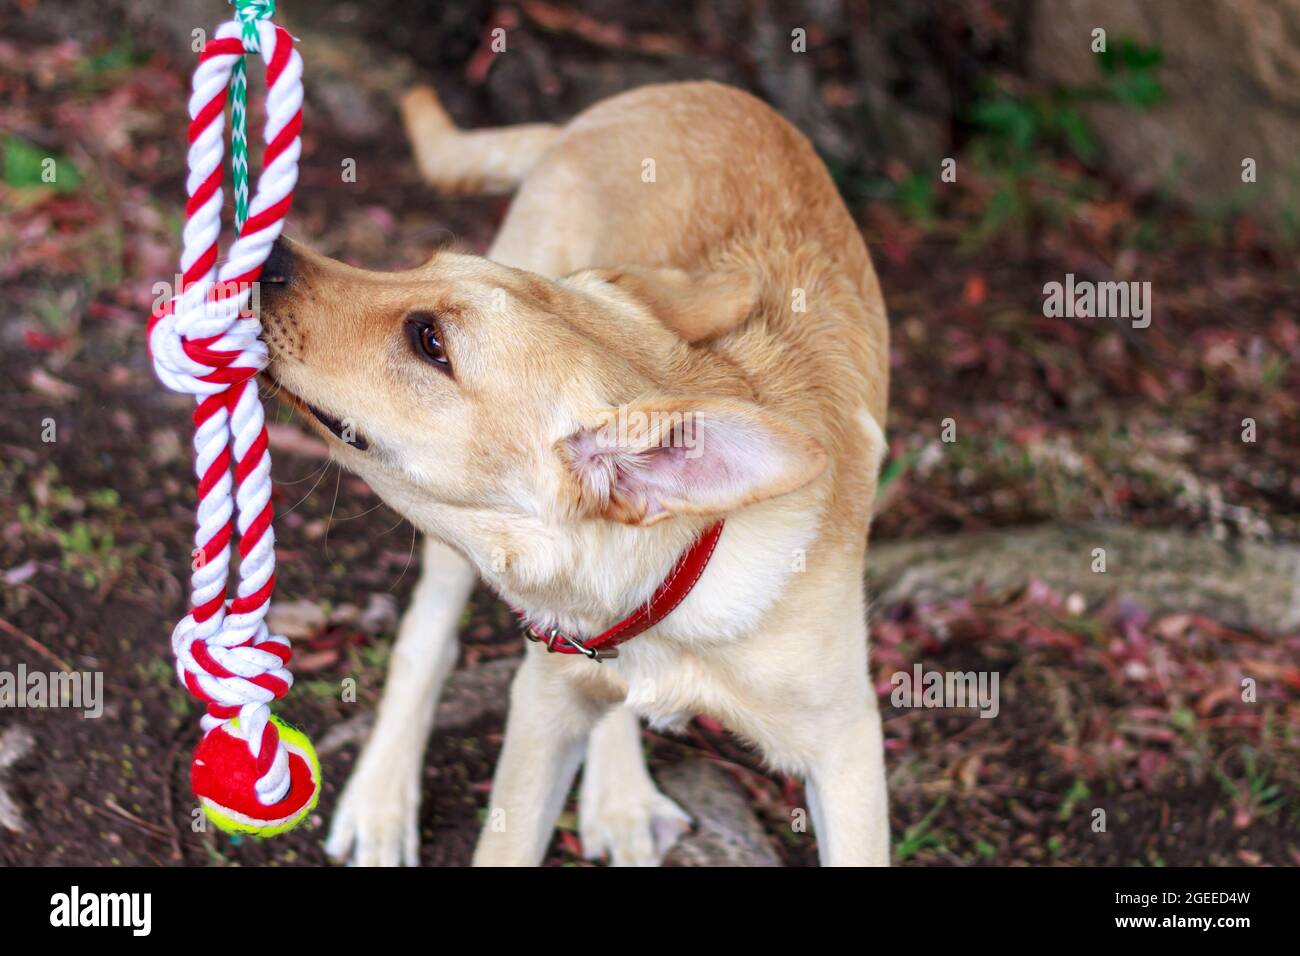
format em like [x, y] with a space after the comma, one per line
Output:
[427, 340]
[430, 345]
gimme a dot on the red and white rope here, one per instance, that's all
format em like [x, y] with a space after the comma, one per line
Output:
[205, 342]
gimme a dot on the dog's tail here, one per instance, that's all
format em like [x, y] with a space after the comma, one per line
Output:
[467, 162]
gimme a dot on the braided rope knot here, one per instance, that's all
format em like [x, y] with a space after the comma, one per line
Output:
[239, 680]
[206, 342]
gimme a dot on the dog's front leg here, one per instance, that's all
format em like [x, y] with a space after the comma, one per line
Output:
[376, 822]
[620, 811]
[546, 734]
[846, 788]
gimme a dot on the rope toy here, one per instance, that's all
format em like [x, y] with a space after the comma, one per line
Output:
[252, 772]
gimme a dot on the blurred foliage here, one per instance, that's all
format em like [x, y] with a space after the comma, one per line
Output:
[1021, 139]
[29, 167]
[1129, 73]
[1035, 155]
[1019, 128]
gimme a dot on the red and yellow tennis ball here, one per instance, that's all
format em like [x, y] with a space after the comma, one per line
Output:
[224, 773]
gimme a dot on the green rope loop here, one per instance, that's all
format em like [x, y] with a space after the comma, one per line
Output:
[248, 12]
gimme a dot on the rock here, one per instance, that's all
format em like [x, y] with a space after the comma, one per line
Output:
[15, 744]
[471, 693]
[727, 833]
[475, 692]
[380, 615]
[1231, 75]
[354, 730]
[1244, 583]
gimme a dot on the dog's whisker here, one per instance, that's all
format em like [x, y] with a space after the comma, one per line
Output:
[309, 491]
[410, 554]
[307, 477]
[389, 531]
[329, 522]
[361, 514]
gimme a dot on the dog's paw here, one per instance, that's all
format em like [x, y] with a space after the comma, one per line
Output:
[376, 822]
[633, 827]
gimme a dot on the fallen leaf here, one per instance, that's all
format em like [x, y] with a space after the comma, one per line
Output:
[295, 619]
[46, 384]
[23, 572]
[294, 441]
[319, 660]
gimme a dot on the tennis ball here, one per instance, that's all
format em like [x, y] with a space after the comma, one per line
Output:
[224, 773]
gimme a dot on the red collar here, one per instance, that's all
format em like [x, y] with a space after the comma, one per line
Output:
[667, 596]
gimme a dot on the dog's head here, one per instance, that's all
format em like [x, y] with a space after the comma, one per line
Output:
[477, 398]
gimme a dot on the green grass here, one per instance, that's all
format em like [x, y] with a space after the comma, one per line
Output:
[27, 166]
[919, 837]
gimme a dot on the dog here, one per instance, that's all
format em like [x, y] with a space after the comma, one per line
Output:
[677, 335]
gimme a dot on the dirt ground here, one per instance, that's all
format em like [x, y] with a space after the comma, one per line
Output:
[1102, 706]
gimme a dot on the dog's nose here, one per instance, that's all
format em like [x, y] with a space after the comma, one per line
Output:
[272, 285]
[277, 271]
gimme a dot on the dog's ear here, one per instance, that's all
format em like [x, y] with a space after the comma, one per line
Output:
[641, 463]
[694, 307]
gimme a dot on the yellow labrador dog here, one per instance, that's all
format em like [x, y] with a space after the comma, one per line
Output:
[678, 325]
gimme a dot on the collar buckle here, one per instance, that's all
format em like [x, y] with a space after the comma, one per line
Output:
[551, 635]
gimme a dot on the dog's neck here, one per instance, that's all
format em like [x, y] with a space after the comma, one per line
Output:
[583, 578]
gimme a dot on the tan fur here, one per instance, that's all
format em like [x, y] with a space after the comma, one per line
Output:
[695, 308]
[458, 162]
[610, 290]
